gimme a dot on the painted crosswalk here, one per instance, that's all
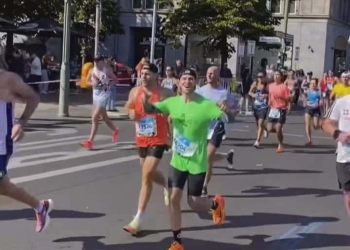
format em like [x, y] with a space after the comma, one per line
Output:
[58, 150]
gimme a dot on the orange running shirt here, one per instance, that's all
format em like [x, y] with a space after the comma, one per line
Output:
[278, 94]
[151, 129]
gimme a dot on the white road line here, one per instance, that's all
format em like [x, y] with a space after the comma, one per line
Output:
[51, 157]
[69, 141]
[64, 171]
[25, 144]
[291, 135]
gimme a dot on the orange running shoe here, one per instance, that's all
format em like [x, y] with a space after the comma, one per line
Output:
[115, 135]
[176, 246]
[87, 144]
[219, 213]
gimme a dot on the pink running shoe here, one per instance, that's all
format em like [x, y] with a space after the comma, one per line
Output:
[43, 218]
[115, 135]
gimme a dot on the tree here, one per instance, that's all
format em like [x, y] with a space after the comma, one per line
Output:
[21, 11]
[219, 20]
[83, 17]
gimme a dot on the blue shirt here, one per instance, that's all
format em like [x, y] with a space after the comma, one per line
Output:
[260, 101]
[313, 98]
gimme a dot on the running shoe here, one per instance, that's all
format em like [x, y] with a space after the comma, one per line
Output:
[229, 158]
[219, 213]
[43, 217]
[87, 144]
[176, 246]
[256, 144]
[308, 144]
[115, 135]
[133, 228]
[280, 149]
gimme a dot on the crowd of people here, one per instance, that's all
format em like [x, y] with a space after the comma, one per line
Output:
[190, 119]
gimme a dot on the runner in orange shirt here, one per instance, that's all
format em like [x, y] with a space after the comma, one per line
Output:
[279, 103]
[152, 132]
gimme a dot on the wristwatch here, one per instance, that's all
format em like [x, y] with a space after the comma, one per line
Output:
[336, 134]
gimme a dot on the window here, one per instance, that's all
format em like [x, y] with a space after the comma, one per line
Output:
[292, 8]
[137, 4]
[149, 4]
[276, 6]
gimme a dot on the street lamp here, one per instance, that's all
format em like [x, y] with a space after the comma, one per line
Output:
[154, 27]
[97, 26]
[63, 105]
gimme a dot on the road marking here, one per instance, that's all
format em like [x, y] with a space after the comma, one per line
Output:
[291, 135]
[19, 161]
[64, 171]
[63, 131]
[67, 141]
[25, 144]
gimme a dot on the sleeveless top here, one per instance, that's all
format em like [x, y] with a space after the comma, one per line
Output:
[6, 124]
[168, 84]
[151, 129]
[260, 101]
[100, 77]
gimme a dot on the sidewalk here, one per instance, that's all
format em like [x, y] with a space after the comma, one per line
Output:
[79, 108]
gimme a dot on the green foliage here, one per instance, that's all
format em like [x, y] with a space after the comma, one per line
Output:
[218, 20]
[24, 10]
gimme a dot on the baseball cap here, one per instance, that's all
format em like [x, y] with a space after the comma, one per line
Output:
[151, 67]
[190, 72]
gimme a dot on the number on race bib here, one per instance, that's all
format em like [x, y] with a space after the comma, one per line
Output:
[275, 114]
[147, 127]
[183, 146]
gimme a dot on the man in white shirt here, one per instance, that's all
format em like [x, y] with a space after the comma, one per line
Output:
[337, 124]
[35, 71]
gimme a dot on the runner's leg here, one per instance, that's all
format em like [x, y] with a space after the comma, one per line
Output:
[110, 125]
[7, 188]
[149, 159]
[308, 120]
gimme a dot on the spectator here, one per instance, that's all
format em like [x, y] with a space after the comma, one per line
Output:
[35, 71]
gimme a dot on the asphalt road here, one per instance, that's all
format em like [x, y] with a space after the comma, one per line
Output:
[274, 201]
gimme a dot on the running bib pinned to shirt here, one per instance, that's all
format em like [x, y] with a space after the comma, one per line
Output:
[147, 127]
[346, 148]
[183, 146]
[275, 113]
[212, 127]
[330, 86]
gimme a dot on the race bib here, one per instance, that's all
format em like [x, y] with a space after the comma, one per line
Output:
[346, 148]
[312, 104]
[324, 94]
[212, 126]
[183, 146]
[329, 86]
[147, 127]
[275, 113]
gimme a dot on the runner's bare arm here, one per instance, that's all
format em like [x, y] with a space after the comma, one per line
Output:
[111, 75]
[89, 77]
[130, 103]
[25, 94]
[252, 87]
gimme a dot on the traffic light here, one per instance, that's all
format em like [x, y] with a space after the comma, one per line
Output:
[160, 29]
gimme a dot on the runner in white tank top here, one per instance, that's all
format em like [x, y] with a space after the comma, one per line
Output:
[13, 89]
[100, 77]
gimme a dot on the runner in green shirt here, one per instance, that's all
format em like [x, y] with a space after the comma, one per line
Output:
[191, 115]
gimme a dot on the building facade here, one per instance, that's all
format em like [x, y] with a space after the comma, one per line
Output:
[321, 29]
[136, 17]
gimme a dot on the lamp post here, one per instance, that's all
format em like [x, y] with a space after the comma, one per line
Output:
[154, 27]
[97, 26]
[285, 28]
[63, 105]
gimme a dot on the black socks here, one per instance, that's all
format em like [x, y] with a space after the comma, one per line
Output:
[177, 236]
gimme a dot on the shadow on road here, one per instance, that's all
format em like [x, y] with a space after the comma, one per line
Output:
[242, 221]
[266, 171]
[305, 241]
[29, 214]
[275, 192]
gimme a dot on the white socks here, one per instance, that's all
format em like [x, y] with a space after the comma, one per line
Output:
[138, 215]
